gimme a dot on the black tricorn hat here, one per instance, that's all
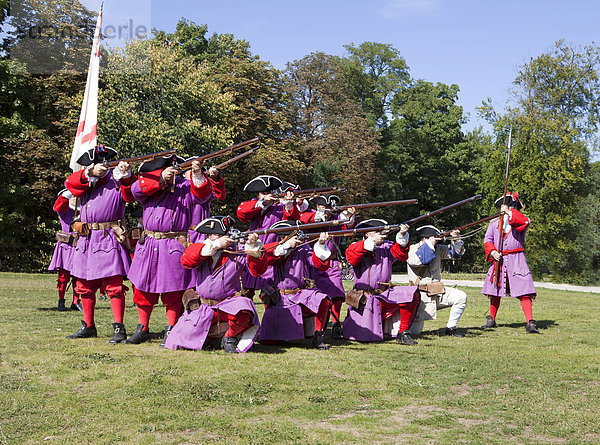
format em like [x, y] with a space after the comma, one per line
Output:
[263, 183]
[327, 200]
[512, 200]
[65, 191]
[371, 223]
[160, 163]
[428, 231]
[218, 225]
[285, 223]
[96, 155]
[285, 186]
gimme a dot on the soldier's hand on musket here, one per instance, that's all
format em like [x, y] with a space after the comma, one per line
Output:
[323, 237]
[224, 242]
[294, 242]
[124, 167]
[98, 170]
[496, 255]
[455, 234]
[377, 237]
[168, 174]
[252, 238]
[404, 229]
[213, 172]
[197, 166]
[288, 198]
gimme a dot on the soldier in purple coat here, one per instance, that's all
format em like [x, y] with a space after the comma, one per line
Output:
[515, 278]
[330, 281]
[262, 212]
[156, 271]
[297, 309]
[219, 310]
[62, 258]
[99, 258]
[384, 308]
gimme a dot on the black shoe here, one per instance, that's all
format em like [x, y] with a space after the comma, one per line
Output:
[454, 332]
[103, 296]
[138, 336]
[531, 327]
[318, 341]
[336, 331]
[489, 323]
[61, 305]
[166, 333]
[77, 307]
[229, 344]
[84, 332]
[120, 334]
[405, 338]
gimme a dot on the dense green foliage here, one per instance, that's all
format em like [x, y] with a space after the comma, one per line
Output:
[359, 121]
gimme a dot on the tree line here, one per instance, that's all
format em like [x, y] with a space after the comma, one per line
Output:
[358, 121]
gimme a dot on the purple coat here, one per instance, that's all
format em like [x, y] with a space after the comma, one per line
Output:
[199, 213]
[222, 283]
[283, 321]
[63, 253]
[156, 265]
[515, 272]
[366, 324]
[100, 255]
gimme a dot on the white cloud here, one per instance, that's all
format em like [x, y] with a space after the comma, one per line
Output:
[399, 9]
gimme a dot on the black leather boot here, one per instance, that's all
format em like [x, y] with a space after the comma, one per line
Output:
[120, 334]
[166, 333]
[531, 327]
[61, 305]
[138, 336]
[489, 323]
[229, 344]
[336, 331]
[454, 332]
[84, 332]
[318, 341]
[404, 338]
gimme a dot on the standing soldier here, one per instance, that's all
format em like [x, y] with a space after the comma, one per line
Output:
[219, 310]
[100, 259]
[425, 271]
[515, 279]
[330, 281]
[63, 252]
[379, 307]
[296, 309]
[262, 212]
[156, 270]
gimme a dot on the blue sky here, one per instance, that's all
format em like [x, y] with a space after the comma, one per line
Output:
[477, 45]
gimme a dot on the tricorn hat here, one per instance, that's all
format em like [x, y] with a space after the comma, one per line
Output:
[374, 222]
[428, 231]
[160, 163]
[287, 186]
[66, 193]
[327, 200]
[512, 200]
[96, 155]
[218, 225]
[285, 223]
[263, 184]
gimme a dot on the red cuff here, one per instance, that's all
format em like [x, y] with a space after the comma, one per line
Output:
[150, 182]
[308, 217]
[489, 248]
[77, 183]
[399, 252]
[61, 204]
[293, 215]
[202, 191]
[218, 187]
[355, 252]
[192, 256]
[518, 221]
[125, 186]
[247, 210]
[319, 263]
[258, 266]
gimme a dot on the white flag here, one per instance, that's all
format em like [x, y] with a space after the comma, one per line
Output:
[86, 136]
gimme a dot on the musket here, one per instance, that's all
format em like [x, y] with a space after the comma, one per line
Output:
[498, 269]
[372, 205]
[297, 228]
[391, 227]
[188, 164]
[307, 193]
[135, 160]
[471, 224]
[224, 165]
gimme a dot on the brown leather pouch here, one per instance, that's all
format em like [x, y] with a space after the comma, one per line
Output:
[355, 298]
[190, 300]
[269, 295]
[435, 288]
[65, 237]
[81, 228]
[135, 233]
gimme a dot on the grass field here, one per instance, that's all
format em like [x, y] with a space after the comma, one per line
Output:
[494, 387]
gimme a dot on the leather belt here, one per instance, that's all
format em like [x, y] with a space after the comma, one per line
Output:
[164, 235]
[104, 225]
[290, 291]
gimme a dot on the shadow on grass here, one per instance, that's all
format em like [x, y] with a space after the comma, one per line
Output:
[541, 324]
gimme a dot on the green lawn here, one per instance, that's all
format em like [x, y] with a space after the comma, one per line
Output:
[501, 386]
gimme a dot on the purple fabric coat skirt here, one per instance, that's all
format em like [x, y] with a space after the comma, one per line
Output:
[365, 324]
[62, 257]
[517, 280]
[192, 328]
